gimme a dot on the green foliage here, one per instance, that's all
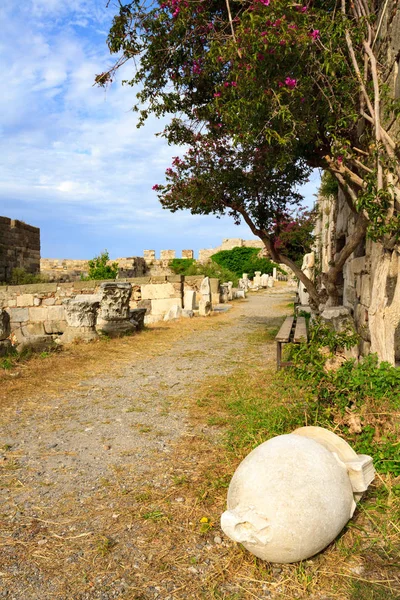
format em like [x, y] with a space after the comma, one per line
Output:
[188, 266]
[243, 260]
[329, 185]
[180, 266]
[100, 269]
[21, 277]
[364, 389]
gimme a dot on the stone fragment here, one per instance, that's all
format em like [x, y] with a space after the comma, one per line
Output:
[264, 280]
[5, 347]
[81, 315]
[114, 315]
[257, 280]
[5, 329]
[224, 291]
[187, 313]
[239, 294]
[270, 282]
[205, 288]
[274, 272]
[175, 312]
[137, 315]
[204, 308]
[189, 300]
[56, 327]
[338, 317]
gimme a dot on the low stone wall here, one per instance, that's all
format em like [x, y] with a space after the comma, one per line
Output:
[38, 309]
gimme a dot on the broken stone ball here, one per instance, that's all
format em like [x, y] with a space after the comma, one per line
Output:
[292, 495]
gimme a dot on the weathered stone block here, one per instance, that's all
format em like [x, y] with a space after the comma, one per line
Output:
[161, 306]
[55, 313]
[48, 301]
[188, 314]
[189, 300]
[204, 308]
[5, 329]
[25, 300]
[144, 304]
[114, 307]
[175, 278]
[137, 315]
[338, 317]
[18, 315]
[158, 291]
[55, 326]
[214, 285]
[33, 329]
[365, 296]
[188, 254]
[38, 313]
[175, 312]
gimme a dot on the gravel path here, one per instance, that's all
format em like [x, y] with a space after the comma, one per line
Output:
[58, 463]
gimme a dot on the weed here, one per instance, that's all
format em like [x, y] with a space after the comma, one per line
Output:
[104, 545]
[153, 515]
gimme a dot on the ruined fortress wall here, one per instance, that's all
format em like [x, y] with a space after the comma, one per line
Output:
[19, 247]
[336, 221]
[229, 244]
[64, 269]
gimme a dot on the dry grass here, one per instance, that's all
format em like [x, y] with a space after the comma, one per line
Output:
[156, 535]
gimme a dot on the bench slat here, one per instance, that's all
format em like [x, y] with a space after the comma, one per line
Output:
[284, 332]
[300, 332]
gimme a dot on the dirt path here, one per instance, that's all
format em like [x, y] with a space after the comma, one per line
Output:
[72, 465]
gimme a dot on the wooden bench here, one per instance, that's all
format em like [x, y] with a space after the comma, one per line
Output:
[293, 330]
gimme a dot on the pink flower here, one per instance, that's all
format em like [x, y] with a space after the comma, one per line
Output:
[265, 2]
[226, 84]
[156, 187]
[282, 43]
[340, 159]
[280, 84]
[233, 83]
[292, 26]
[315, 34]
[217, 94]
[291, 83]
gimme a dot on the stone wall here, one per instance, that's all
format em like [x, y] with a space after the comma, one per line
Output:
[38, 309]
[63, 269]
[363, 280]
[19, 247]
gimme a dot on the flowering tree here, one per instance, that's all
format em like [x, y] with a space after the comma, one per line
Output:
[303, 78]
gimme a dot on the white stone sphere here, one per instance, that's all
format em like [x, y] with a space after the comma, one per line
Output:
[288, 499]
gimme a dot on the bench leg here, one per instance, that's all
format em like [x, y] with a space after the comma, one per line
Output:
[278, 355]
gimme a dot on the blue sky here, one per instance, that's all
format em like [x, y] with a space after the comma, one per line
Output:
[73, 162]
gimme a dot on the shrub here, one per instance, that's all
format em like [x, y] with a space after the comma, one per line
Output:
[180, 266]
[244, 260]
[99, 269]
[21, 277]
[356, 393]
